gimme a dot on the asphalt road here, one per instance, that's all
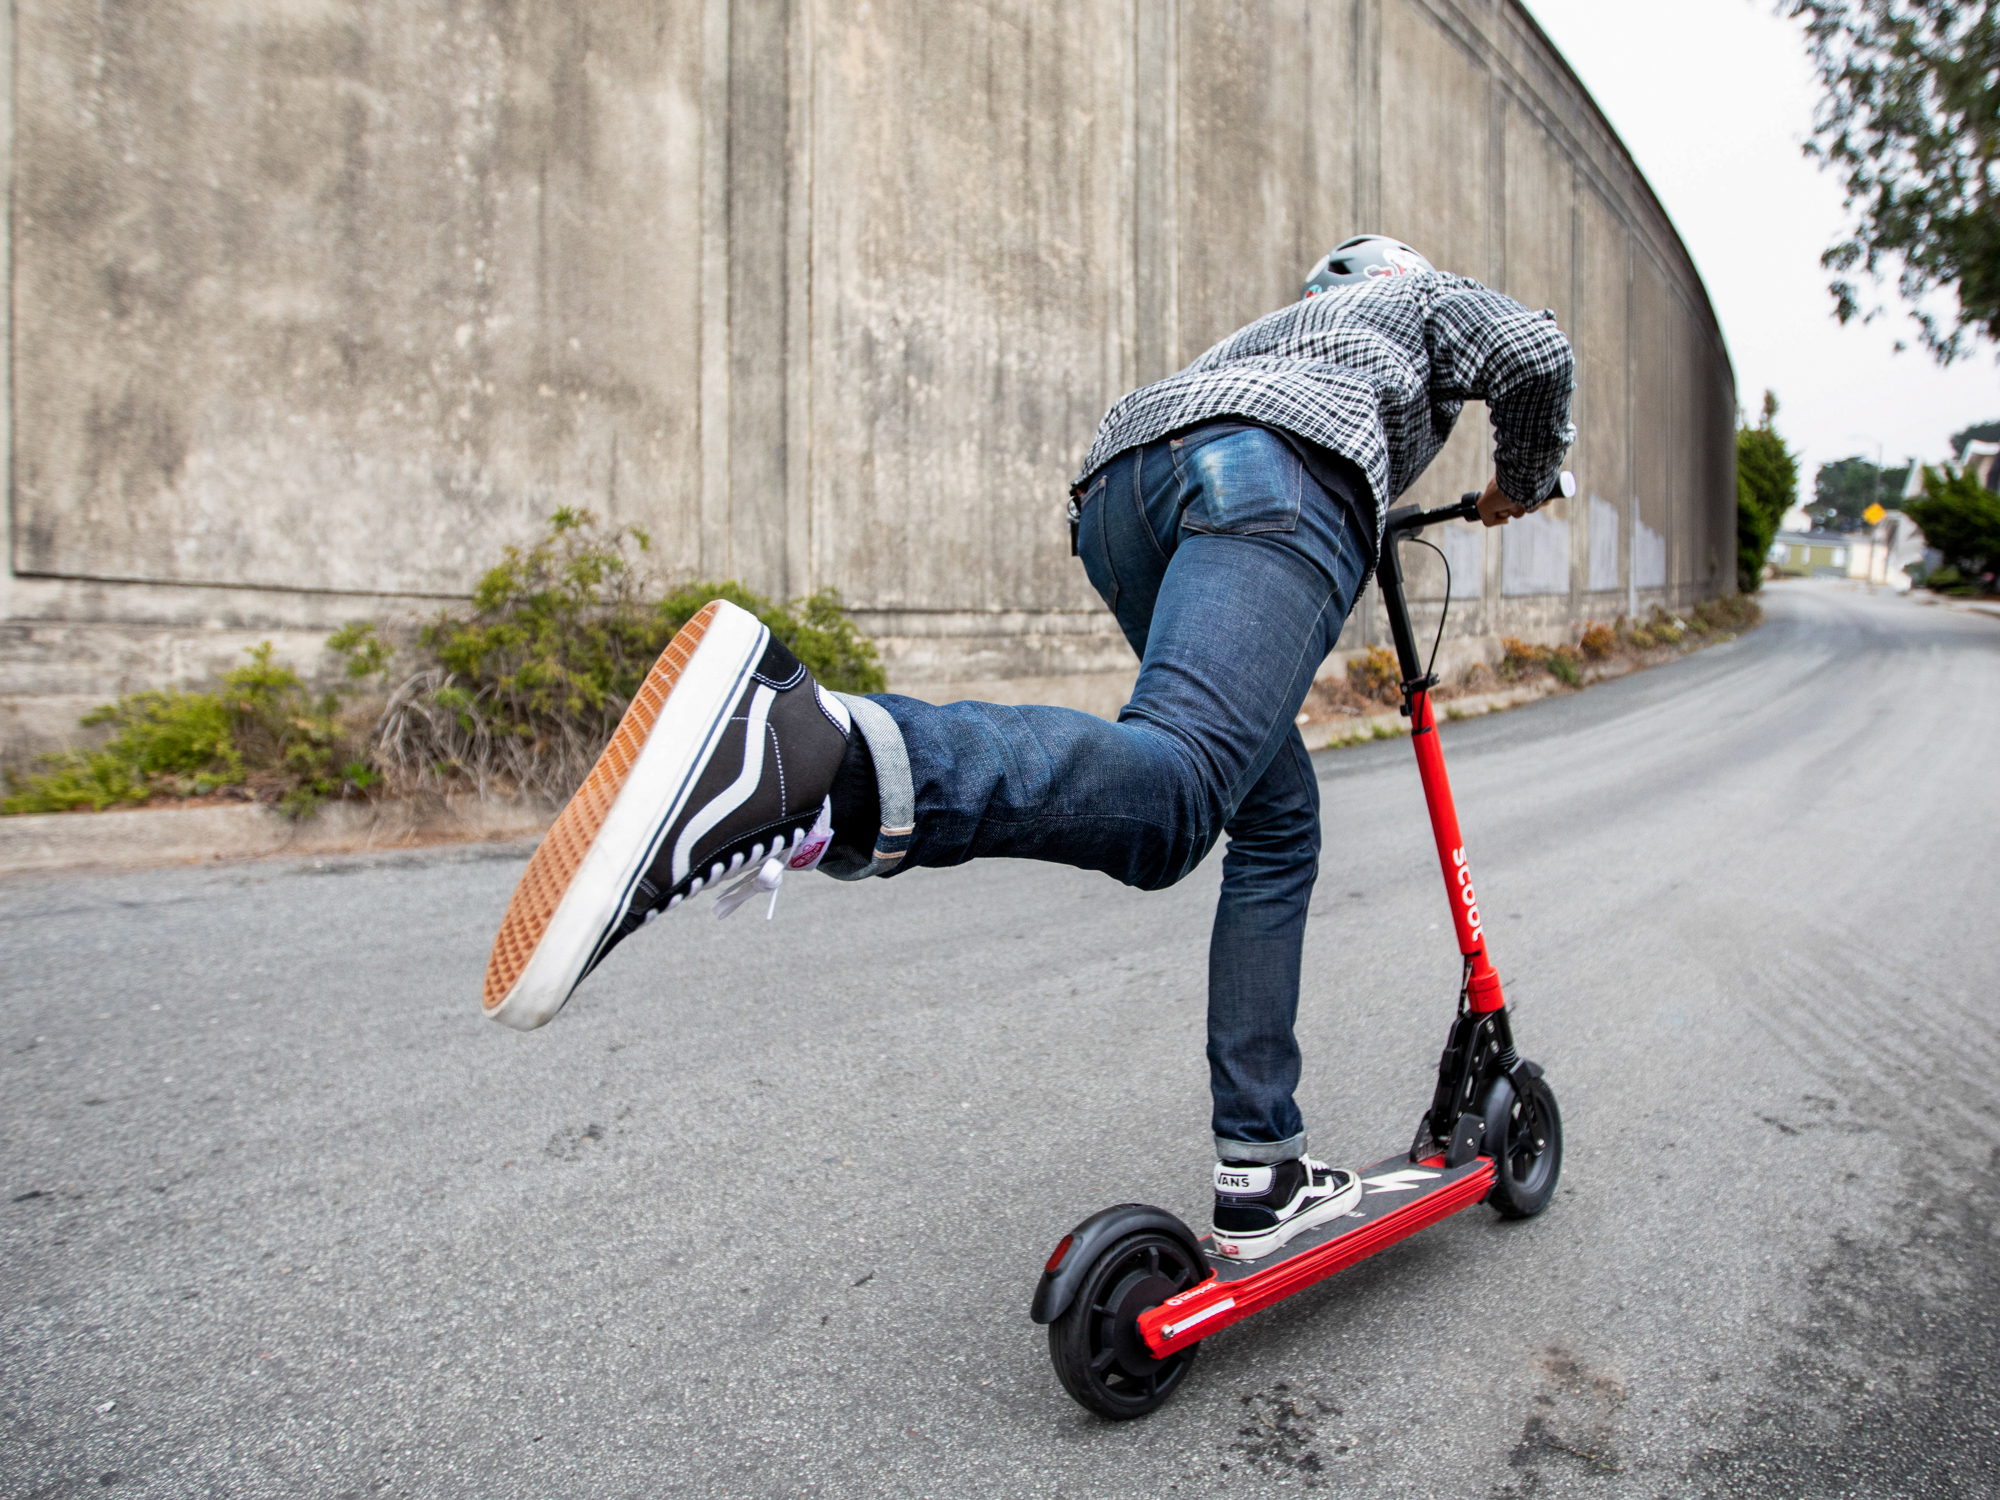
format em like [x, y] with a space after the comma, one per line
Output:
[760, 1213]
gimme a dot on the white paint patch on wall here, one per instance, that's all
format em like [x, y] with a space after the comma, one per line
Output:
[1603, 544]
[1464, 549]
[1649, 558]
[1535, 556]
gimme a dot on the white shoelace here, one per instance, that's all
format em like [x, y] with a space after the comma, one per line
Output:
[765, 877]
[808, 850]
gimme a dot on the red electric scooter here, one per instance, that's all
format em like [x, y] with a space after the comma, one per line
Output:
[1131, 1291]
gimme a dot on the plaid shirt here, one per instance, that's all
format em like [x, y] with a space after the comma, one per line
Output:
[1377, 373]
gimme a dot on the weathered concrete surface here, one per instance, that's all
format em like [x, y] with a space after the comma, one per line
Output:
[328, 296]
[319, 303]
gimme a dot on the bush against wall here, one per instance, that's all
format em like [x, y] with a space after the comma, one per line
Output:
[518, 695]
[1767, 485]
[264, 736]
[522, 693]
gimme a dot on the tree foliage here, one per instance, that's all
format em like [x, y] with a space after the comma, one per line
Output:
[1987, 432]
[1767, 485]
[1961, 518]
[1846, 487]
[1910, 120]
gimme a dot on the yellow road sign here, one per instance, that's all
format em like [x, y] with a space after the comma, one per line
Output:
[1873, 515]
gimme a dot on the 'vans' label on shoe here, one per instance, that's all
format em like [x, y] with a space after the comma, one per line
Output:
[1244, 1182]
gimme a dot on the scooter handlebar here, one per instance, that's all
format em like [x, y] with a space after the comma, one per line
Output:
[1410, 519]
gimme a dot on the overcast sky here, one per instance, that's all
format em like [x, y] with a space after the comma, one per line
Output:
[1713, 98]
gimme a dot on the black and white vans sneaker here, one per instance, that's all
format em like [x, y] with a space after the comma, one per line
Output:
[721, 766]
[1259, 1208]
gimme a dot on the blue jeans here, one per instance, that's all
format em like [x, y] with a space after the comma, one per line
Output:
[1231, 571]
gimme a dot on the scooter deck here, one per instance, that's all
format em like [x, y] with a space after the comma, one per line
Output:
[1397, 1199]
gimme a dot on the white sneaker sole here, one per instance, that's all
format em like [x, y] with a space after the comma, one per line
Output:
[1257, 1246]
[582, 876]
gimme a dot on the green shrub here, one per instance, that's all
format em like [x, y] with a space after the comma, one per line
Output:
[1961, 518]
[1767, 478]
[560, 633]
[816, 630]
[262, 730]
[77, 780]
[164, 743]
[527, 689]
[293, 740]
[1566, 665]
[368, 655]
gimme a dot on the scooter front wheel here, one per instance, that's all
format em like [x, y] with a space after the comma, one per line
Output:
[1096, 1347]
[1524, 1136]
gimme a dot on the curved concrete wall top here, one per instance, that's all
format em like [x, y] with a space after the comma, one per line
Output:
[319, 300]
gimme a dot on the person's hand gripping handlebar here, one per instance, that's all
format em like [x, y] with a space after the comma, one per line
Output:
[1471, 507]
[1495, 509]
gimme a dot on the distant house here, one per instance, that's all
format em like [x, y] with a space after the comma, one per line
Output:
[1882, 554]
[1976, 457]
[1811, 554]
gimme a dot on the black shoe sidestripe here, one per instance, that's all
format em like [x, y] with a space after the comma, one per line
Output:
[696, 767]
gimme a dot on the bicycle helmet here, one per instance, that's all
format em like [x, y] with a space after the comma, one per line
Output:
[1360, 258]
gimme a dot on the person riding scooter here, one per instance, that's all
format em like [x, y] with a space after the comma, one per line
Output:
[1229, 515]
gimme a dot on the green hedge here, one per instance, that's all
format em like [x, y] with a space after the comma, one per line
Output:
[519, 693]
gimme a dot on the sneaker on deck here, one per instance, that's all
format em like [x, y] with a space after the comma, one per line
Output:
[1259, 1208]
[721, 765]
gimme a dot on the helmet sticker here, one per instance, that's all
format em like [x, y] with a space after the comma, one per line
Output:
[1402, 262]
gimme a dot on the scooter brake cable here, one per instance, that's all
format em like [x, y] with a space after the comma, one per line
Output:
[1443, 614]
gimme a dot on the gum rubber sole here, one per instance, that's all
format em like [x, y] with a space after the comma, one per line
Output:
[570, 842]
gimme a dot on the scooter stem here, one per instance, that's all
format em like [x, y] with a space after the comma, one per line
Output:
[1482, 982]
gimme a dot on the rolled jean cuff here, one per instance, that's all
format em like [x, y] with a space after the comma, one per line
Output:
[1260, 1153]
[892, 784]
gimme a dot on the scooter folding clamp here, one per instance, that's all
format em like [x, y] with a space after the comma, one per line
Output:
[1467, 1137]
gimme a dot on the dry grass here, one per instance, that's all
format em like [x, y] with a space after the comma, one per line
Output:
[1372, 683]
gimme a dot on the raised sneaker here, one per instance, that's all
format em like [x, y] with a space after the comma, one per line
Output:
[1259, 1208]
[721, 767]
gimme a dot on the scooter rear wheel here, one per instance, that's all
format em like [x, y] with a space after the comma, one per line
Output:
[1095, 1345]
[1524, 1136]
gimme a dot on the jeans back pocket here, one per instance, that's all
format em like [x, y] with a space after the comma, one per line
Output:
[1244, 482]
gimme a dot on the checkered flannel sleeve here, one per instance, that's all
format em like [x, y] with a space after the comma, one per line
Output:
[1378, 375]
[1488, 347]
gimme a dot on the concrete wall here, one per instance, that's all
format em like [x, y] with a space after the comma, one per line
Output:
[317, 303]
